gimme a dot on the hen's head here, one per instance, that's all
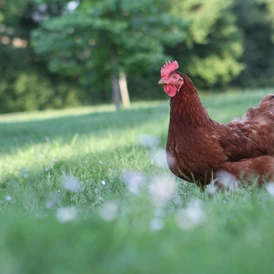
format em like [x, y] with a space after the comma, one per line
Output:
[170, 78]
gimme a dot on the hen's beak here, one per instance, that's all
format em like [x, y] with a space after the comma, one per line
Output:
[162, 81]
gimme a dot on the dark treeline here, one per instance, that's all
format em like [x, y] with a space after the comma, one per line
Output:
[57, 53]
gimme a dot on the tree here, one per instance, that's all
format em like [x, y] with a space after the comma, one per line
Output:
[255, 18]
[25, 82]
[213, 44]
[101, 40]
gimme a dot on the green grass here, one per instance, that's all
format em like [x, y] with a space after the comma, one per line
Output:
[116, 231]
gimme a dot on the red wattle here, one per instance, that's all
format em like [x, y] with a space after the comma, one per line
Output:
[170, 90]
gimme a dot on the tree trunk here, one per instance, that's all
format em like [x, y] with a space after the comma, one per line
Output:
[124, 90]
[115, 90]
[115, 83]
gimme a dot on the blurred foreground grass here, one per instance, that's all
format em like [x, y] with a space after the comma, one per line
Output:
[87, 190]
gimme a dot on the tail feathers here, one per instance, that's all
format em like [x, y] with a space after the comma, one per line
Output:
[257, 170]
[263, 113]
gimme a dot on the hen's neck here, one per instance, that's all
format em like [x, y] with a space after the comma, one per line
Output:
[187, 110]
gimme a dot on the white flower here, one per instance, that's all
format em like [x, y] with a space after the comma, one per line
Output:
[109, 210]
[161, 189]
[134, 181]
[147, 140]
[71, 183]
[191, 216]
[72, 5]
[66, 214]
[211, 189]
[103, 182]
[227, 180]
[8, 198]
[158, 158]
[270, 188]
[156, 224]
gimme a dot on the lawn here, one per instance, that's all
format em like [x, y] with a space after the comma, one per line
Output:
[87, 191]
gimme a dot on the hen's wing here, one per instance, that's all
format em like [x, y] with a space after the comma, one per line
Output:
[252, 135]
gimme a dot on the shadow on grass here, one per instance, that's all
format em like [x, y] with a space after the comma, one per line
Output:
[15, 135]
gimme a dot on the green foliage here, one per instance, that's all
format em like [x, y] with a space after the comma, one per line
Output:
[100, 37]
[26, 88]
[95, 144]
[256, 20]
[71, 56]
[25, 82]
[211, 52]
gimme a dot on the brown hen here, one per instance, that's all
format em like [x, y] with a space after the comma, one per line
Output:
[198, 148]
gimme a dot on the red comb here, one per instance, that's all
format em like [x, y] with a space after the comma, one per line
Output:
[168, 67]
